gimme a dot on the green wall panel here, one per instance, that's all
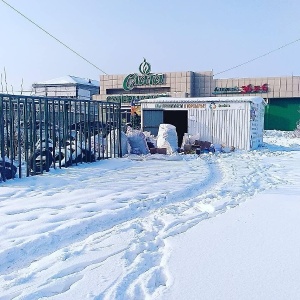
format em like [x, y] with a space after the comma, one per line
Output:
[282, 113]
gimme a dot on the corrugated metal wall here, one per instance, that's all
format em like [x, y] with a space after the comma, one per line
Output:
[230, 127]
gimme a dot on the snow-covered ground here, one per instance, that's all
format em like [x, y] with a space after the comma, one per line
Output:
[221, 226]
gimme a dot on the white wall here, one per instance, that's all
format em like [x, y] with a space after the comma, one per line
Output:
[222, 125]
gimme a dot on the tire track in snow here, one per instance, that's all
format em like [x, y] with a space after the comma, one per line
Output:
[145, 261]
[228, 193]
[153, 219]
[146, 272]
[46, 244]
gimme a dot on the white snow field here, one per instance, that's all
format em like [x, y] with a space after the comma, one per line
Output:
[214, 226]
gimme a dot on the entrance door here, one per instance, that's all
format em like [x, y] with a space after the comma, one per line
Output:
[178, 118]
[151, 120]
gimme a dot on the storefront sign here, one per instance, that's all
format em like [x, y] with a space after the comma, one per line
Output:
[129, 98]
[195, 105]
[245, 89]
[212, 106]
[147, 78]
[169, 105]
[180, 105]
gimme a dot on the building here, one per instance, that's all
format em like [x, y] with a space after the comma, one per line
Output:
[282, 94]
[129, 88]
[67, 87]
[145, 85]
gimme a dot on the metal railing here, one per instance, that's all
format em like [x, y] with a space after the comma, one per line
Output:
[39, 133]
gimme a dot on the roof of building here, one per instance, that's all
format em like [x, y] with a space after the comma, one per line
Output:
[69, 80]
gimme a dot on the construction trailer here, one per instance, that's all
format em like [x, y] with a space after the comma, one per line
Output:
[230, 121]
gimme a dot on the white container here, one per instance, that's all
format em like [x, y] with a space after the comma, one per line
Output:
[230, 121]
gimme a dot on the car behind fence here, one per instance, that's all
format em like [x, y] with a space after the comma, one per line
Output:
[39, 133]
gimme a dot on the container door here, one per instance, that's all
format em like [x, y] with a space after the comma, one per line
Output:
[151, 120]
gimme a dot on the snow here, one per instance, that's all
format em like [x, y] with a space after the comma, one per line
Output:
[212, 226]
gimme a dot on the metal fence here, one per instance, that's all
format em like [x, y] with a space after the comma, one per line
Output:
[38, 133]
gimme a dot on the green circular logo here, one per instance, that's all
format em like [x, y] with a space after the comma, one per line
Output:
[145, 67]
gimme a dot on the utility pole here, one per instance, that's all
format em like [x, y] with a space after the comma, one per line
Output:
[1, 83]
[5, 81]
[22, 87]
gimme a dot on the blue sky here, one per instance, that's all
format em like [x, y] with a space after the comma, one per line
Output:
[115, 35]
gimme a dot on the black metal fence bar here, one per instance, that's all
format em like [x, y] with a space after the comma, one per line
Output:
[38, 133]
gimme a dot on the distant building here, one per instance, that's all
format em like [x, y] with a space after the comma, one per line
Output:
[67, 87]
[129, 88]
[282, 94]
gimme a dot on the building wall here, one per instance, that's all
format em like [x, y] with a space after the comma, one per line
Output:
[281, 93]
[55, 91]
[203, 84]
[176, 84]
[278, 87]
[282, 96]
[65, 91]
[282, 114]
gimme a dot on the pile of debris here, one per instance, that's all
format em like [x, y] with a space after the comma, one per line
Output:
[193, 144]
[166, 142]
[139, 143]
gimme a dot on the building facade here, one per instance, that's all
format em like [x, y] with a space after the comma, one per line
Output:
[146, 85]
[282, 94]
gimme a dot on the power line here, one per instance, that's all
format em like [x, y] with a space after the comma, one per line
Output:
[229, 69]
[53, 36]
[258, 57]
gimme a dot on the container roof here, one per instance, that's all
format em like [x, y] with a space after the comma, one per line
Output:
[253, 99]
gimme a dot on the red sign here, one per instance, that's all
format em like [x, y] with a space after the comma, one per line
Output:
[247, 89]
